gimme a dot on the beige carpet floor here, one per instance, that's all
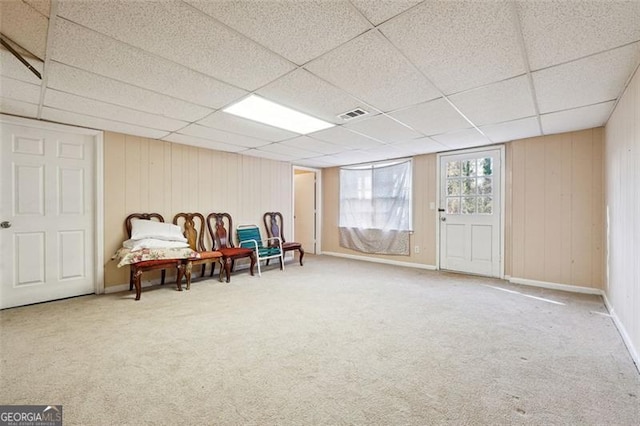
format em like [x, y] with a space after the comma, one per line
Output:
[335, 342]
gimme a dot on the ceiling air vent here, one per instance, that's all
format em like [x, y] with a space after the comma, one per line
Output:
[354, 113]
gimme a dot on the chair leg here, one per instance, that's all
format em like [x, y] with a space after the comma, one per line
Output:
[282, 261]
[131, 278]
[163, 273]
[228, 266]
[187, 274]
[253, 263]
[136, 279]
[204, 268]
[301, 250]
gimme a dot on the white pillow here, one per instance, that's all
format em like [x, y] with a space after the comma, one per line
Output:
[152, 243]
[142, 229]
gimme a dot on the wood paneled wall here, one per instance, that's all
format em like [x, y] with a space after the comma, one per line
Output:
[424, 218]
[622, 177]
[555, 209]
[147, 175]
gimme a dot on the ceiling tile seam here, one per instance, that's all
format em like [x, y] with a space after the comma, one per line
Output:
[34, 9]
[445, 97]
[146, 52]
[117, 105]
[18, 80]
[397, 15]
[580, 106]
[212, 109]
[585, 56]
[346, 148]
[107, 119]
[243, 35]
[359, 12]
[515, 17]
[53, 15]
[486, 85]
[624, 88]
[16, 100]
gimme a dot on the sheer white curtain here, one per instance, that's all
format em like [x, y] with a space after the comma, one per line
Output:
[375, 207]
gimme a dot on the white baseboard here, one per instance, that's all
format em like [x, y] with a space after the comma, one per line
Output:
[380, 260]
[623, 332]
[555, 286]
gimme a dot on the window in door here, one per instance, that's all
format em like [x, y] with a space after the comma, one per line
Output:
[470, 186]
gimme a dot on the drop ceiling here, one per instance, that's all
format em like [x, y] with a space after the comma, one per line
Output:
[433, 75]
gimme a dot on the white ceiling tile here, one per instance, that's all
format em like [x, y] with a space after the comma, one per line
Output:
[560, 31]
[421, 146]
[503, 101]
[12, 106]
[586, 81]
[180, 33]
[25, 26]
[302, 91]
[577, 119]
[370, 68]
[282, 149]
[346, 138]
[93, 86]
[19, 90]
[222, 136]
[387, 152]
[10, 66]
[203, 143]
[351, 157]
[317, 162]
[75, 45]
[384, 129]
[234, 124]
[459, 44]
[462, 139]
[269, 155]
[512, 130]
[313, 145]
[299, 31]
[432, 118]
[73, 118]
[381, 10]
[68, 102]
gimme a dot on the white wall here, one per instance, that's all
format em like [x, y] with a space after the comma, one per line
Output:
[622, 183]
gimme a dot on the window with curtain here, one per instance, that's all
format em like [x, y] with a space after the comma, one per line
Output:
[375, 207]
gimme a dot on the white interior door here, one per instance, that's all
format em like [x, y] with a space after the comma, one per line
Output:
[470, 212]
[304, 216]
[46, 209]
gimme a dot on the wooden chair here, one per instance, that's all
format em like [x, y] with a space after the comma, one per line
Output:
[137, 269]
[273, 223]
[224, 243]
[194, 233]
[249, 237]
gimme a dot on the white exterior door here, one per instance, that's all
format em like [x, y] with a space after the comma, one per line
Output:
[304, 216]
[47, 238]
[471, 212]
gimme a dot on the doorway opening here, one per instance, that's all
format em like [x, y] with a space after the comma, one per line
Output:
[306, 211]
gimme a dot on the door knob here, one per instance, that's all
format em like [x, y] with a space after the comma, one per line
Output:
[444, 219]
[5, 224]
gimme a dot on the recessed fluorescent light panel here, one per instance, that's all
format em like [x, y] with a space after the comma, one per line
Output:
[259, 109]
